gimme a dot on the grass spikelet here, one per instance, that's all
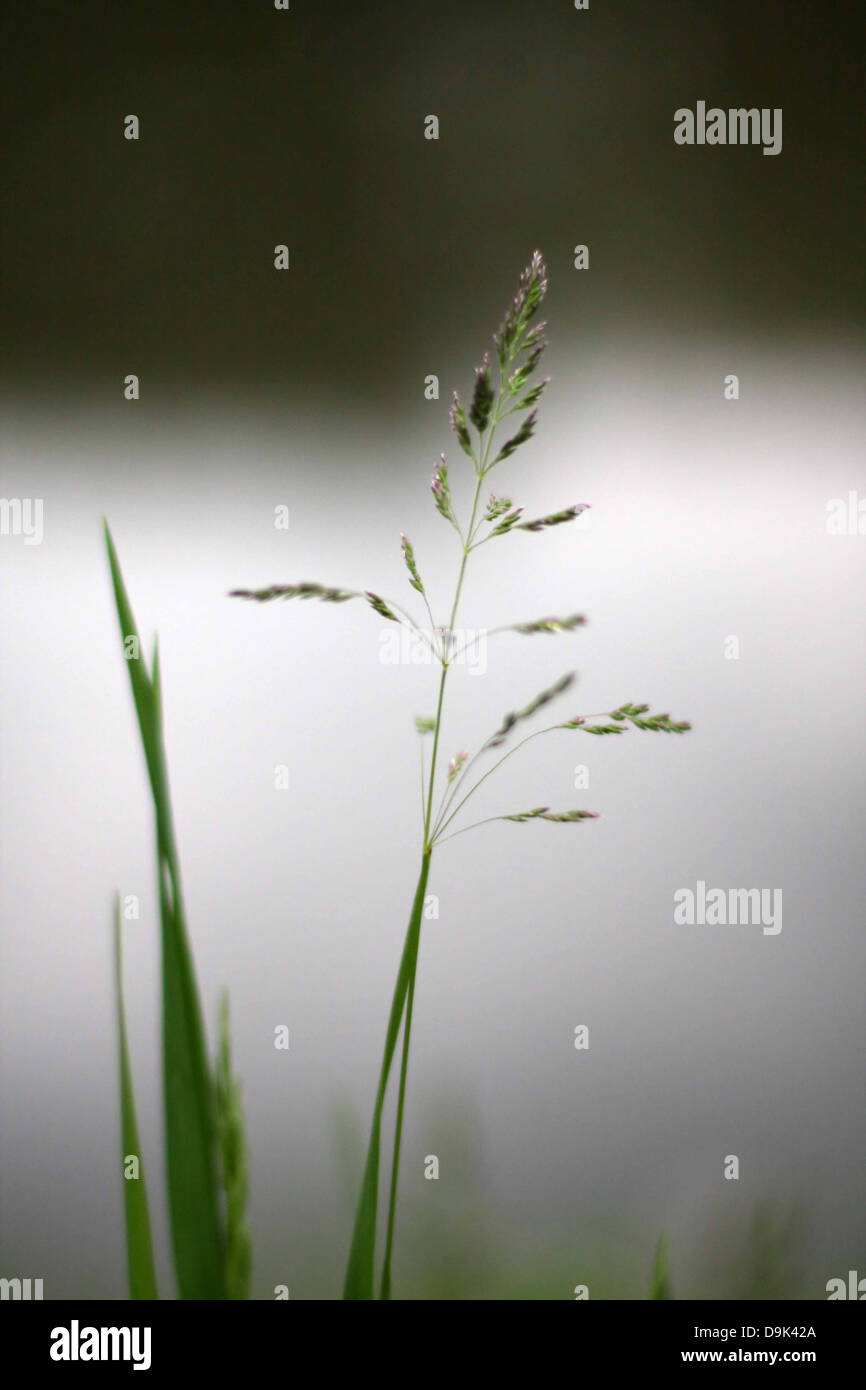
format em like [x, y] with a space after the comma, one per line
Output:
[302, 591]
[409, 559]
[549, 625]
[460, 426]
[441, 491]
[555, 519]
[508, 522]
[513, 444]
[517, 716]
[497, 507]
[380, 606]
[483, 397]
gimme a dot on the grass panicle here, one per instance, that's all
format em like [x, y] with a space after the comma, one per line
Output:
[519, 344]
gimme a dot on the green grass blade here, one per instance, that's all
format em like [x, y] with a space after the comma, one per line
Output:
[190, 1136]
[385, 1286]
[359, 1283]
[139, 1246]
[233, 1164]
[142, 689]
[659, 1282]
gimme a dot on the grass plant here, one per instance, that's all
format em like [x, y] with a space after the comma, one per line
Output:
[510, 388]
[204, 1142]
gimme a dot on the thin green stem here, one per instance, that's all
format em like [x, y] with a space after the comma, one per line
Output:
[462, 831]
[410, 621]
[385, 1292]
[410, 996]
[359, 1283]
[413, 962]
[423, 770]
[443, 824]
[432, 623]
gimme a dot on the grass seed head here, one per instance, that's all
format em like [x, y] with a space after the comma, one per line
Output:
[555, 518]
[441, 490]
[545, 813]
[409, 558]
[483, 397]
[460, 426]
[511, 445]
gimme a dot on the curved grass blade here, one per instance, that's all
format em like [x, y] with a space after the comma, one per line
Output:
[359, 1282]
[190, 1140]
[139, 1246]
[659, 1282]
[233, 1163]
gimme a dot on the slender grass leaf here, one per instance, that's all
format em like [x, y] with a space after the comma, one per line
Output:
[142, 690]
[359, 1282]
[139, 1246]
[385, 1286]
[233, 1163]
[190, 1139]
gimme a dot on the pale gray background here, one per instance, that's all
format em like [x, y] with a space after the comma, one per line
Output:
[708, 519]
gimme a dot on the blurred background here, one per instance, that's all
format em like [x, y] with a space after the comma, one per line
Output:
[305, 389]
